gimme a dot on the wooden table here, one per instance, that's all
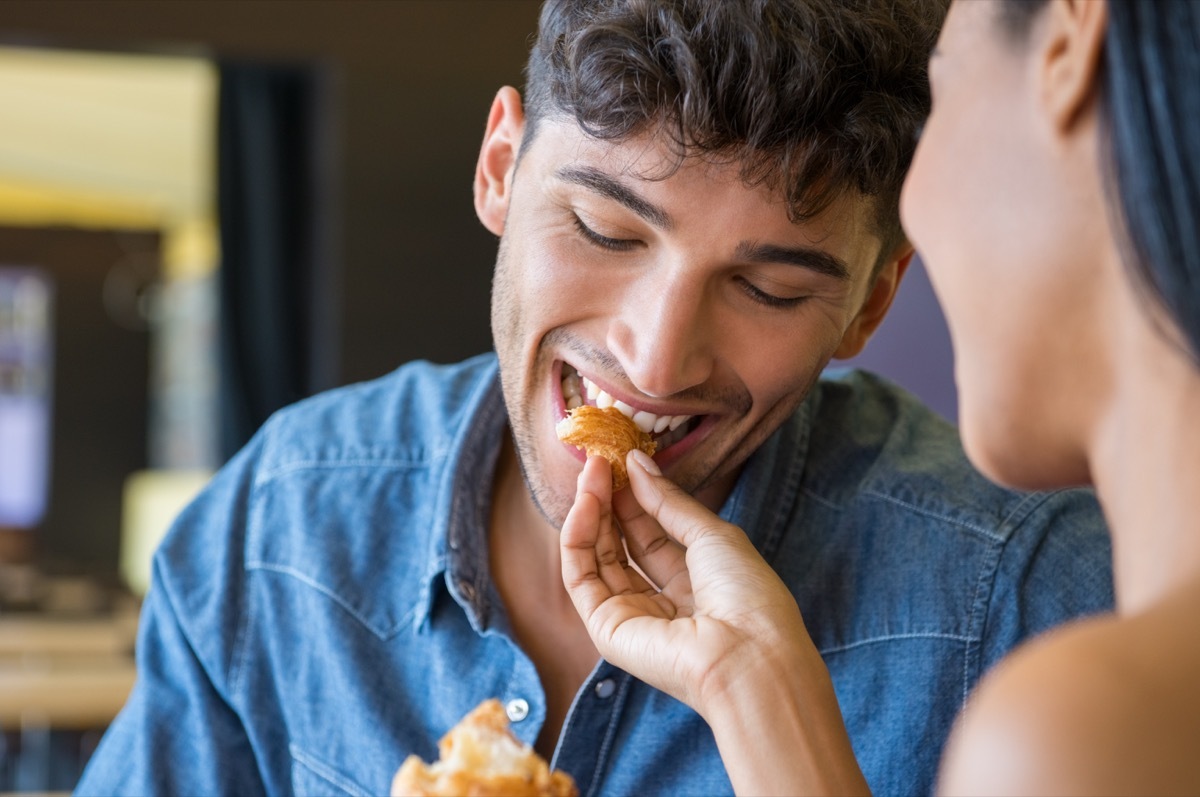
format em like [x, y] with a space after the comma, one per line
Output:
[62, 681]
[65, 673]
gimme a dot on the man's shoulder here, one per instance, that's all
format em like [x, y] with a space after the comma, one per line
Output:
[413, 413]
[326, 480]
[890, 484]
[372, 466]
[872, 440]
[338, 496]
[869, 433]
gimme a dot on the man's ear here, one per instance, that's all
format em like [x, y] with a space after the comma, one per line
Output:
[1070, 47]
[498, 159]
[870, 316]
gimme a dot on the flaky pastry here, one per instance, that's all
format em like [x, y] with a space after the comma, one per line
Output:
[480, 757]
[606, 432]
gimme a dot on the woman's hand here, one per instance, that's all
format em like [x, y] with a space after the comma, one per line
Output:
[681, 599]
[706, 601]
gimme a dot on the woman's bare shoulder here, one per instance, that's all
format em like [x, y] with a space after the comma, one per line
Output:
[1104, 706]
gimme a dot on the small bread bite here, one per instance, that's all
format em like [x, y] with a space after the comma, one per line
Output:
[607, 433]
[480, 757]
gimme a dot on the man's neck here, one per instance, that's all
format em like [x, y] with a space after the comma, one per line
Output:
[527, 571]
[714, 495]
[519, 535]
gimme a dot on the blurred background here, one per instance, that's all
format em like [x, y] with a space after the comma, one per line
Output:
[209, 210]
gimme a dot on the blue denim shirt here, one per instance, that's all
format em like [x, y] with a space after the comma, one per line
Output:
[324, 608]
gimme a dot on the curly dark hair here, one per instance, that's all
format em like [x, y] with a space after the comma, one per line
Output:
[811, 97]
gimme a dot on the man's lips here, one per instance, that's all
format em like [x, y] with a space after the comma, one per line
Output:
[664, 428]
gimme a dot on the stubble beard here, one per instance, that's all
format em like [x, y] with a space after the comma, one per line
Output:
[506, 336]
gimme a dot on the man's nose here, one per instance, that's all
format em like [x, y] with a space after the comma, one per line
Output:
[664, 334]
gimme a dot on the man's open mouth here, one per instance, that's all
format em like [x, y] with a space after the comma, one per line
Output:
[665, 430]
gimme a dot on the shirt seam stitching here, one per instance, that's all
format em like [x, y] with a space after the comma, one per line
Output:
[980, 609]
[894, 637]
[980, 530]
[820, 499]
[1026, 507]
[289, 468]
[1029, 504]
[383, 633]
[326, 772]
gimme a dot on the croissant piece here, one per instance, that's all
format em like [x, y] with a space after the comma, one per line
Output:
[480, 757]
[606, 432]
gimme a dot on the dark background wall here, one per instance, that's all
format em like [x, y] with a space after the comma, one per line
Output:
[412, 82]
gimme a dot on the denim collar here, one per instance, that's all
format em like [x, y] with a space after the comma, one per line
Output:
[457, 556]
[767, 490]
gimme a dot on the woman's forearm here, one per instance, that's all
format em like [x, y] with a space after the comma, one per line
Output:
[780, 731]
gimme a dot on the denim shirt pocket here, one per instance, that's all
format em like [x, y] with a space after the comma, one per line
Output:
[313, 776]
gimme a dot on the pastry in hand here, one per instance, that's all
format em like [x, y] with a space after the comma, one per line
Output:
[480, 757]
[606, 432]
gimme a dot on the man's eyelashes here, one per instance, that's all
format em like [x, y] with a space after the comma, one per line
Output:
[603, 241]
[624, 245]
[768, 299]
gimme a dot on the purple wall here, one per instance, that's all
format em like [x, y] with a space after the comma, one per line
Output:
[912, 345]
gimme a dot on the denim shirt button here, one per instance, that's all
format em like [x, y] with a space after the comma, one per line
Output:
[516, 709]
[605, 688]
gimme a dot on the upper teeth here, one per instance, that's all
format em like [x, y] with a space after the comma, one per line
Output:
[575, 387]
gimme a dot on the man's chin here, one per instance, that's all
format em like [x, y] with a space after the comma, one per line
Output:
[552, 505]
[552, 501]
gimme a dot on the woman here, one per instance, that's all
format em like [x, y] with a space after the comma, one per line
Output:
[1055, 197]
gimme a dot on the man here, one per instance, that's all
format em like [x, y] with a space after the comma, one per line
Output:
[697, 209]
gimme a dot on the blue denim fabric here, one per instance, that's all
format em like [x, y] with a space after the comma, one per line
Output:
[324, 608]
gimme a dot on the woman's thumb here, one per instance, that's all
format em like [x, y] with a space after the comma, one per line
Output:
[683, 517]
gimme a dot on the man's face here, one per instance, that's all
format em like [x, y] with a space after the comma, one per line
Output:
[691, 298]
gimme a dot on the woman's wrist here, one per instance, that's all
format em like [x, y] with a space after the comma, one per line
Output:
[778, 726]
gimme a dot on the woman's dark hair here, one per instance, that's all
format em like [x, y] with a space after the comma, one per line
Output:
[810, 97]
[1150, 127]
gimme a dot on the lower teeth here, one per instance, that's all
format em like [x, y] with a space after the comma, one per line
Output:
[668, 439]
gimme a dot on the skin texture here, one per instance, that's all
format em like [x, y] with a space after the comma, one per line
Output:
[658, 298]
[1065, 376]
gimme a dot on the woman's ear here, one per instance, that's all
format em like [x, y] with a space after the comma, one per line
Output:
[1071, 45]
[498, 159]
[883, 291]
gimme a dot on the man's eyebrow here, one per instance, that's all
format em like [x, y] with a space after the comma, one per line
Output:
[804, 256]
[606, 186]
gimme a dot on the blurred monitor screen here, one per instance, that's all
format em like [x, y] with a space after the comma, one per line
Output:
[74, 412]
[26, 365]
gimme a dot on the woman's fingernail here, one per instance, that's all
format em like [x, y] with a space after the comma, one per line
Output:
[648, 464]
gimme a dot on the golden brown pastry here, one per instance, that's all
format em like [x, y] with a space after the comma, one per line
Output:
[480, 757]
[606, 432]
